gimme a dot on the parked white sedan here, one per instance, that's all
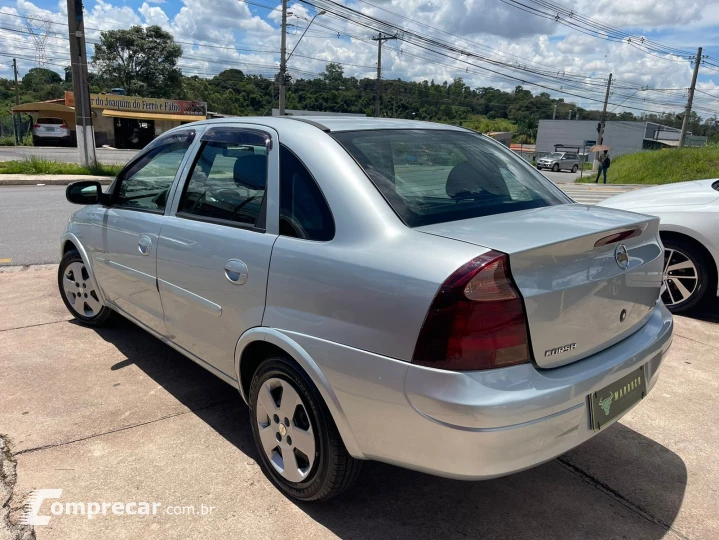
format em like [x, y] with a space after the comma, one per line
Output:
[689, 229]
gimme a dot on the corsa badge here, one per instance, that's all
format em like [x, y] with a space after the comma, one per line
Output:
[560, 350]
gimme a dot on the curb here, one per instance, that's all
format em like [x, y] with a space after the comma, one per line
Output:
[39, 180]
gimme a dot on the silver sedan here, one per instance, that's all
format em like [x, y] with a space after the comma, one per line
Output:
[398, 291]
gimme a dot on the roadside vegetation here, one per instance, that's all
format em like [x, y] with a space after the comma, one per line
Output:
[155, 72]
[664, 166]
[35, 165]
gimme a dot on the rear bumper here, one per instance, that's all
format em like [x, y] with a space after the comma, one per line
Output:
[484, 424]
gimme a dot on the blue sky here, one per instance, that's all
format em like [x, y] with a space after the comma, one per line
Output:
[217, 34]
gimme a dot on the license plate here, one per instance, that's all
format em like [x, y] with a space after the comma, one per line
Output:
[49, 129]
[615, 398]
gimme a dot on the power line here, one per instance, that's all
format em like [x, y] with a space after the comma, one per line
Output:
[358, 18]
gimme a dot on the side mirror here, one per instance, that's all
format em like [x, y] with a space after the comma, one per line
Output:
[84, 192]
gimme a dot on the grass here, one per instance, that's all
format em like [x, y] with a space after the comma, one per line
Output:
[663, 166]
[35, 165]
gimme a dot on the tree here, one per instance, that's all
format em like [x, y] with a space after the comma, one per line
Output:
[334, 74]
[36, 79]
[143, 61]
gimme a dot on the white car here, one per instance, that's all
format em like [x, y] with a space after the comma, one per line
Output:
[689, 229]
[51, 130]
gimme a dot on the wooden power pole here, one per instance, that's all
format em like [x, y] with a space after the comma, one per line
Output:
[604, 111]
[688, 111]
[378, 96]
[600, 139]
[85, 134]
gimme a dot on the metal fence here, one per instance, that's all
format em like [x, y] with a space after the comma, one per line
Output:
[7, 130]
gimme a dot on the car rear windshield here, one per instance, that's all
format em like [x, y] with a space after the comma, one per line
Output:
[435, 176]
[55, 121]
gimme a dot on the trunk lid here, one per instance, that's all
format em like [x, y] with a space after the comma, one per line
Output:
[578, 298]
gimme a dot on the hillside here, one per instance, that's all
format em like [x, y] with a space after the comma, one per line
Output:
[664, 166]
[236, 93]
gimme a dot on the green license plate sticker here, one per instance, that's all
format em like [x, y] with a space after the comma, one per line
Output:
[615, 398]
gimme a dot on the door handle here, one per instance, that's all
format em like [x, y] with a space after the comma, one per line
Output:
[144, 245]
[236, 271]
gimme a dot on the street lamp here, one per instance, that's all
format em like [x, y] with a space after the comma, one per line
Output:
[283, 59]
[303, 34]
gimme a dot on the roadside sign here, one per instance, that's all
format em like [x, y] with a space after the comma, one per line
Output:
[589, 143]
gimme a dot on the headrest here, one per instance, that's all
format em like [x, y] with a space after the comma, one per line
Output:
[250, 171]
[463, 178]
[467, 179]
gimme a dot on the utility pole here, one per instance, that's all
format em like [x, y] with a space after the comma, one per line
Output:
[283, 60]
[604, 111]
[378, 96]
[687, 113]
[570, 115]
[554, 114]
[600, 140]
[17, 102]
[81, 92]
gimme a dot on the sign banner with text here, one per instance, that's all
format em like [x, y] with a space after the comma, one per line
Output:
[141, 104]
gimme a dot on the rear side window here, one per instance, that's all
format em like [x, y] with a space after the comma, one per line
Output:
[229, 178]
[433, 176]
[53, 121]
[304, 213]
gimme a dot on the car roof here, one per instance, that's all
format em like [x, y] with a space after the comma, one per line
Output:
[334, 124]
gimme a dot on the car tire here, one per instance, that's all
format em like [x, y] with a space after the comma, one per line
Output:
[78, 292]
[695, 278]
[555, 167]
[575, 168]
[539, 168]
[326, 473]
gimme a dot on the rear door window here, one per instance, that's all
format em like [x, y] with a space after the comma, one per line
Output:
[434, 176]
[229, 178]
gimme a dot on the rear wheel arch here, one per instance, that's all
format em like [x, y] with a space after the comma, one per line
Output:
[261, 344]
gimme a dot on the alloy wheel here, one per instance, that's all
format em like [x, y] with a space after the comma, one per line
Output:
[79, 291]
[681, 278]
[285, 430]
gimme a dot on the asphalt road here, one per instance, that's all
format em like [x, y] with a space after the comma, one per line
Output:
[109, 156]
[32, 219]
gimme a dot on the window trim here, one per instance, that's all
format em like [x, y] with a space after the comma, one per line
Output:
[327, 204]
[115, 186]
[260, 225]
[220, 221]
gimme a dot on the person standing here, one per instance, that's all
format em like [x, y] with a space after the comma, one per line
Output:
[604, 162]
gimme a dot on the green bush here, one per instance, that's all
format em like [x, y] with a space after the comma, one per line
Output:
[664, 166]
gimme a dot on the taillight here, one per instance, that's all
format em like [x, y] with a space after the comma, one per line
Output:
[36, 126]
[63, 126]
[476, 320]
